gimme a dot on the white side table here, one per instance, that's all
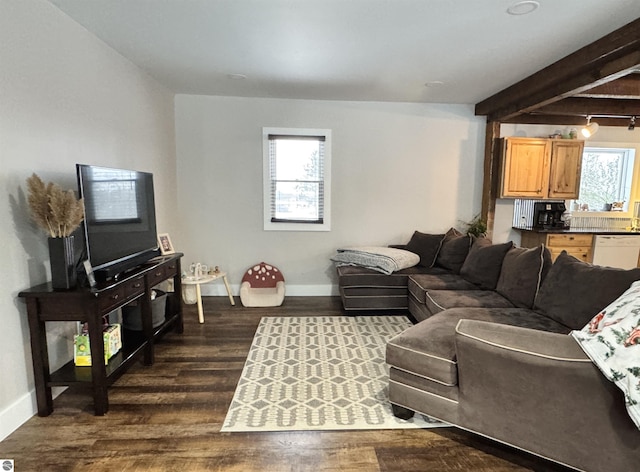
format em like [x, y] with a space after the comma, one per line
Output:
[205, 279]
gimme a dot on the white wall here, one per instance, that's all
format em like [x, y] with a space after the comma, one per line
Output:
[606, 136]
[66, 98]
[397, 167]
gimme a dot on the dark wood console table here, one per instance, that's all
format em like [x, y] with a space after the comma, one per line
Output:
[90, 305]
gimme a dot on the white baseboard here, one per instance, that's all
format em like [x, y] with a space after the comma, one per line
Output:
[14, 416]
[218, 289]
[17, 413]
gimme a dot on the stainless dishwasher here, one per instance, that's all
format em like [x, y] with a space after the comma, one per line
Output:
[616, 251]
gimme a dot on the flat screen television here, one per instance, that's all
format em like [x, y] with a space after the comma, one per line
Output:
[120, 220]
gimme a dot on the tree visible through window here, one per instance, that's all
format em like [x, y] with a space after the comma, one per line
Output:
[606, 178]
[296, 179]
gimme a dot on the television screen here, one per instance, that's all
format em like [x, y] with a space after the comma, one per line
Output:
[120, 219]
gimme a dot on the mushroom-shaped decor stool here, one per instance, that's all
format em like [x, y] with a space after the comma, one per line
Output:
[262, 285]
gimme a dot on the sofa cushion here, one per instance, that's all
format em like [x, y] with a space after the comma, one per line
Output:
[428, 348]
[484, 262]
[419, 284]
[522, 273]
[383, 259]
[439, 300]
[575, 291]
[426, 246]
[454, 250]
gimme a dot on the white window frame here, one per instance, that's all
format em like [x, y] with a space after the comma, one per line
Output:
[266, 185]
[626, 179]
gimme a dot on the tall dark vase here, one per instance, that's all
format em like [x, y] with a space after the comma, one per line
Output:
[62, 260]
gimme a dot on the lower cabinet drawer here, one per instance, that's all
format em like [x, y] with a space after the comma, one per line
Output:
[582, 253]
[562, 240]
[134, 287]
[156, 276]
[170, 269]
[112, 298]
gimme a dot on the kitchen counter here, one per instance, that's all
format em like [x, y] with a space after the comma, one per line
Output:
[530, 229]
[601, 246]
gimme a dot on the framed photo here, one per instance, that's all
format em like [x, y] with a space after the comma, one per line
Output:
[164, 241]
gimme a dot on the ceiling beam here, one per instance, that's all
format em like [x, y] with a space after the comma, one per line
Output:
[614, 56]
[565, 120]
[625, 87]
[592, 106]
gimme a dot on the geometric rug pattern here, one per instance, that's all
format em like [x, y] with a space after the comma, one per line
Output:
[318, 373]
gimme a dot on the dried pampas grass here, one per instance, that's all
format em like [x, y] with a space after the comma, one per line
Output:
[56, 211]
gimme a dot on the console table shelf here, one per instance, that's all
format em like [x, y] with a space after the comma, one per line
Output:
[70, 374]
[90, 305]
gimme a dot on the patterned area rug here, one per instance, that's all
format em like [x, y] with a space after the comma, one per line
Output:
[318, 373]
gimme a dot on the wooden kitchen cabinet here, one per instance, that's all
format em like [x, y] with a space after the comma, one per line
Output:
[525, 167]
[579, 246]
[540, 168]
[565, 168]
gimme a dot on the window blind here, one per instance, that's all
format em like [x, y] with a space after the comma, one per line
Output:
[296, 173]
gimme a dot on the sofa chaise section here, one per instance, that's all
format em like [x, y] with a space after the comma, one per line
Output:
[423, 362]
[538, 391]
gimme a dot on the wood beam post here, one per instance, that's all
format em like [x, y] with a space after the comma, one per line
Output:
[491, 175]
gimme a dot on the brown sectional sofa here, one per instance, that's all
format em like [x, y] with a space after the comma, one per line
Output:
[491, 352]
[500, 363]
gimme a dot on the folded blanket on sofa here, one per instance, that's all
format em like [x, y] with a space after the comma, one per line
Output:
[382, 259]
[612, 342]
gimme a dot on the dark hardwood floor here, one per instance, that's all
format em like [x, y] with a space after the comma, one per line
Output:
[167, 417]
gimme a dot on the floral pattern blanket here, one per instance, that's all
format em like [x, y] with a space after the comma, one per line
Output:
[612, 342]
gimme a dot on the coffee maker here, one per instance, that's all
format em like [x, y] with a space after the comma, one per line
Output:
[548, 215]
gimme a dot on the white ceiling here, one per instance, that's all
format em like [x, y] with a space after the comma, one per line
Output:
[374, 50]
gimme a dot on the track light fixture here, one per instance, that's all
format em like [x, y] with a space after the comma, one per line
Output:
[590, 129]
[632, 123]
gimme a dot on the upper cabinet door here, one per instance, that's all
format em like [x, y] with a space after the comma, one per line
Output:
[525, 168]
[566, 167]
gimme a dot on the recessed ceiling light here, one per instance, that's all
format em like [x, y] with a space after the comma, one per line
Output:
[434, 83]
[523, 8]
[237, 76]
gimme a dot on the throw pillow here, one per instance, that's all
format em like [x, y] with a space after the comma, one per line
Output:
[522, 273]
[574, 290]
[482, 265]
[454, 250]
[426, 246]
